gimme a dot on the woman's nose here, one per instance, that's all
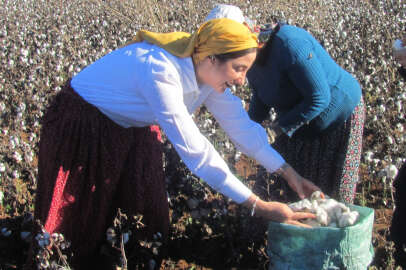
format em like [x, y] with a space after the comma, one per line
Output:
[240, 80]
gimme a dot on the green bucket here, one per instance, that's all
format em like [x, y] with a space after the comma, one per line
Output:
[295, 248]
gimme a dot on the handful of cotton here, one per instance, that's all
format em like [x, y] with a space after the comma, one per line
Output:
[329, 212]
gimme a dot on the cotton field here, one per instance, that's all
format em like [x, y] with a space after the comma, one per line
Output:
[45, 42]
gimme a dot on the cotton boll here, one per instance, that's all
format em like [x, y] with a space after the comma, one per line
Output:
[296, 207]
[336, 213]
[322, 217]
[306, 205]
[315, 195]
[344, 220]
[376, 161]
[300, 206]
[340, 211]
[389, 139]
[237, 155]
[329, 212]
[391, 171]
[2, 169]
[328, 204]
[348, 219]
[399, 106]
[382, 108]
[368, 156]
[344, 207]
[332, 208]
[354, 215]
[315, 205]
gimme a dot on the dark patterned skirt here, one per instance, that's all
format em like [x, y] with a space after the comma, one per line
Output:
[88, 168]
[330, 160]
[398, 225]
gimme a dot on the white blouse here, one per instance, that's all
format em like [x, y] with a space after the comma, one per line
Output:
[142, 84]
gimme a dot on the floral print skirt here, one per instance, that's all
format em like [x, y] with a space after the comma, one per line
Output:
[330, 160]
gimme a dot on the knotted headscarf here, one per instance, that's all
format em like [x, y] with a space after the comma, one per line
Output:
[217, 36]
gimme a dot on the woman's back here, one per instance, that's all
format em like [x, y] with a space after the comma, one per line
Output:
[298, 70]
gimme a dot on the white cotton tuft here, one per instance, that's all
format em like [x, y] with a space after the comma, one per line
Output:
[391, 171]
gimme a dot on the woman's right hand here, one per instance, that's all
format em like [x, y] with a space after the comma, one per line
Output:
[280, 212]
[276, 211]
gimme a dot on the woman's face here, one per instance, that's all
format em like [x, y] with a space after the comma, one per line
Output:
[221, 75]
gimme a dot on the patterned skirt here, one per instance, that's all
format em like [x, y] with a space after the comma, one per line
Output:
[88, 168]
[330, 160]
[398, 225]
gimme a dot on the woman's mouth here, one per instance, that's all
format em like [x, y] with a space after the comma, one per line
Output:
[225, 85]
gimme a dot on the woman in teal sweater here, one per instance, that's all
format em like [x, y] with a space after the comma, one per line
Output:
[319, 107]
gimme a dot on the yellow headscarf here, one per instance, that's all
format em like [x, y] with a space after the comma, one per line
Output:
[215, 36]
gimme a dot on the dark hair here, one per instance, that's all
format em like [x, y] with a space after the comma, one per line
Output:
[264, 52]
[224, 57]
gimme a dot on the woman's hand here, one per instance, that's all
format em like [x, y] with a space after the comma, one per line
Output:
[276, 211]
[282, 213]
[303, 187]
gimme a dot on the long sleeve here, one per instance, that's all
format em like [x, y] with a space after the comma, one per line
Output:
[308, 76]
[248, 136]
[163, 92]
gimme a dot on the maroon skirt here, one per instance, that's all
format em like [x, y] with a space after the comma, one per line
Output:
[89, 167]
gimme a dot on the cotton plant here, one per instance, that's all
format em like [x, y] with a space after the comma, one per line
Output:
[50, 250]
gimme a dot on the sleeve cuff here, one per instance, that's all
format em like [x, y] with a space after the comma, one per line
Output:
[288, 132]
[235, 189]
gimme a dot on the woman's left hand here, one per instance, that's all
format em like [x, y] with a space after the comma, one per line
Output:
[303, 187]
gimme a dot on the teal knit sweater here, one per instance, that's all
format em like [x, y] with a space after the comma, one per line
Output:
[304, 85]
